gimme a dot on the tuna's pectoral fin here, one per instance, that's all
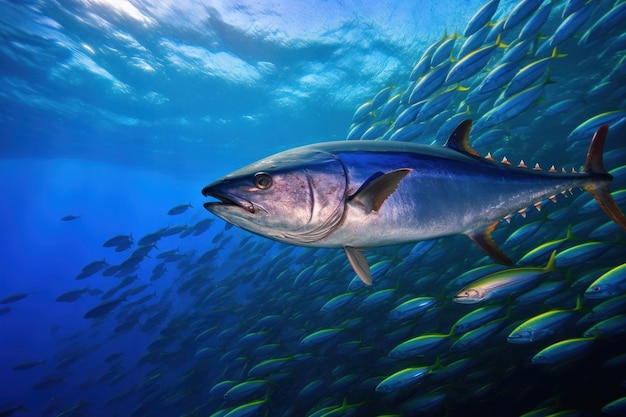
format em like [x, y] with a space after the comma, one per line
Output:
[485, 242]
[377, 189]
[359, 264]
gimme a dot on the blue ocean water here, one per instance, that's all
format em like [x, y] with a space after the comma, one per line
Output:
[118, 111]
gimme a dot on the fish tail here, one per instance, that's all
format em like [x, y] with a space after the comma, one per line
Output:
[437, 365]
[555, 54]
[579, 303]
[499, 42]
[599, 189]
[551, 262]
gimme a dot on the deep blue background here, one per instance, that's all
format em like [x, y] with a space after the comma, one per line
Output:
[118, 111]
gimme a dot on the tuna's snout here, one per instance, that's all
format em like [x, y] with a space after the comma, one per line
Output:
[225, 199]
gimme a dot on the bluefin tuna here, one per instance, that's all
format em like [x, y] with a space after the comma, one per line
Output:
[367, 194]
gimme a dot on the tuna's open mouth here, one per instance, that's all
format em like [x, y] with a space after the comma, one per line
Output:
[226, 199]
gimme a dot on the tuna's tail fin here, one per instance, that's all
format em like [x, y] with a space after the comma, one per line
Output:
[600, 189]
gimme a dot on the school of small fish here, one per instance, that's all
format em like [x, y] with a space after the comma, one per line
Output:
[251, 327]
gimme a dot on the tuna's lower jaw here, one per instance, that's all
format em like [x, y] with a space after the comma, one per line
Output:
[227, 200]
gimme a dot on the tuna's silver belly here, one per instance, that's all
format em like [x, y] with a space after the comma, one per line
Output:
[442, 199]
[414, 212]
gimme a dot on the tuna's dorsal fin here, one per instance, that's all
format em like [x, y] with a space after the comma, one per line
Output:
[594, 164]
[459, 139]
[485, 242]
[358, 261]
[377, 189]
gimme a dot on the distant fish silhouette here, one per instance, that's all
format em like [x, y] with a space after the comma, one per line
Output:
[179, 209]
[15, 297]
[69, 218]
[102, 309]
[9, 411]
[27, 365]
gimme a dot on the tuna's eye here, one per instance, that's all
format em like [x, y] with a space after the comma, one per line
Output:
[262, 180]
